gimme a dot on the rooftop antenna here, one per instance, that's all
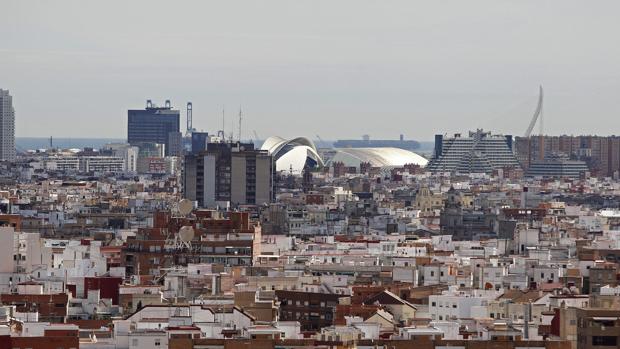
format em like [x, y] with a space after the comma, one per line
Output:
[189, 117]
[231, 134]
[51, 142]
[240, 117]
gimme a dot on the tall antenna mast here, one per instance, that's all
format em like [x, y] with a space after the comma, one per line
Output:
[240, 117]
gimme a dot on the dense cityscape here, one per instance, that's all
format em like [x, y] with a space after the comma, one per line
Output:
[309, 174]
[186, 239]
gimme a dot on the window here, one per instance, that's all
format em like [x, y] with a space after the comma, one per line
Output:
[157, 342]
[605, 340]
[433, 304]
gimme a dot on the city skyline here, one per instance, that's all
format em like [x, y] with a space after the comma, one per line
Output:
[346, 174]
[417, 71]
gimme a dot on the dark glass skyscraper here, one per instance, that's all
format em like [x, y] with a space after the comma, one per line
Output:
[153, 125]
[199, 142]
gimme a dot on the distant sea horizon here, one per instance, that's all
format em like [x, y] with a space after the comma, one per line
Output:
[33, 143]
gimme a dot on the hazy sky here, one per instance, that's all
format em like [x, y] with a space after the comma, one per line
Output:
[300, 68]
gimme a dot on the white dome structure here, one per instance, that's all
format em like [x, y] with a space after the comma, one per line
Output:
[377, 157]
[294, 154]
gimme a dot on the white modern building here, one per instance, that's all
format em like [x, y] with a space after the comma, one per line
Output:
[102, 164]
[292, 155]
[127, 152]
[62, 163]
[378, 157]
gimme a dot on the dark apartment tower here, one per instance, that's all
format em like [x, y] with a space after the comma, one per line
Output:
[438, 146]
[199, 142]
[307, 185]
[229, 172]
[509, 141]
[154, 125]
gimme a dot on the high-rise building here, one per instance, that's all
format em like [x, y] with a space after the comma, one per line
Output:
[479, 152]
[199, 141]
[601, 153]
[557, 167]
[155, 125]
[125, 151]
[234, 173]
[7, 127]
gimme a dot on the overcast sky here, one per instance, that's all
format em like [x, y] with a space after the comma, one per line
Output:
[338, 69]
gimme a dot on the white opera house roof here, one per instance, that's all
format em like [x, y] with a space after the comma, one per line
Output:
[293, 154]
[378, 157]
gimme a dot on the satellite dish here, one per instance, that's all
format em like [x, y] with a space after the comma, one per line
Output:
[185, 207]
[186, 233]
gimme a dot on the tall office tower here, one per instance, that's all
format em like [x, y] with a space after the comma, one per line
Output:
[154, 125]
[199, 141]
[234, 173]
[480, 152]
[7, 127]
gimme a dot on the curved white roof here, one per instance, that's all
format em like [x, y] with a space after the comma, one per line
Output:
[272, 143]
[378, 157]
[292, 154]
